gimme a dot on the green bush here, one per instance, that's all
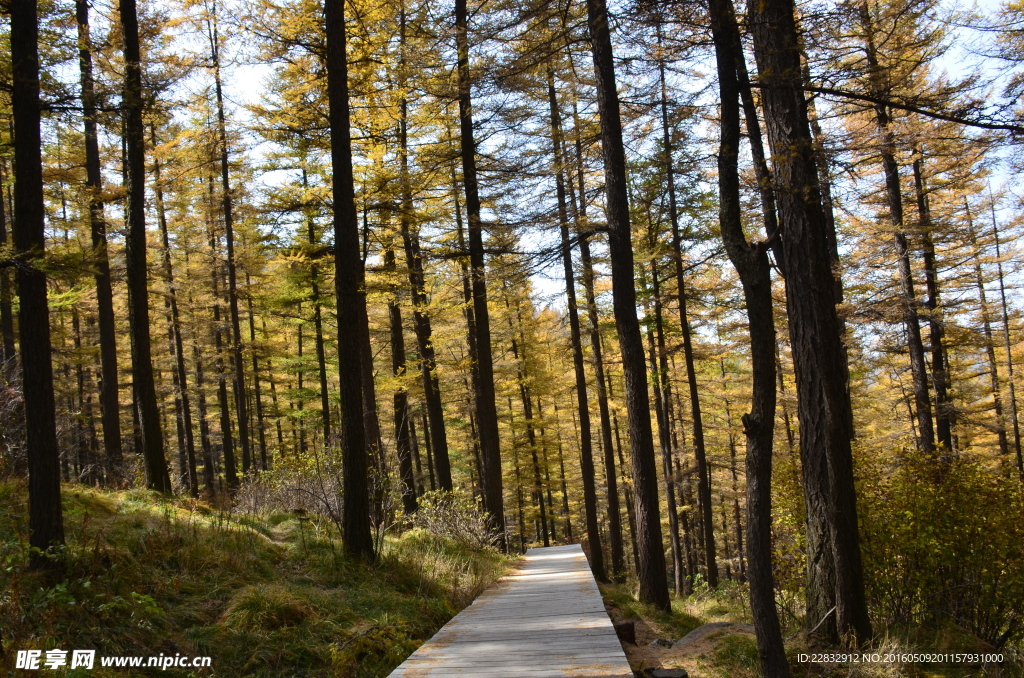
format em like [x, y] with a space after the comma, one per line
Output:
[943, 542]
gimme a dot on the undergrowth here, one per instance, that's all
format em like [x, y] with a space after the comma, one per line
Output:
[262, 595]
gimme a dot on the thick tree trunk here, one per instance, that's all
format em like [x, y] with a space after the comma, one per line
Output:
[110, 408]
[835, 576]
[487, 416]
[46, 520]
[348, 276]
[651, 571]
[6, 315]
[752, 265]
[136, 247]
[586, 444]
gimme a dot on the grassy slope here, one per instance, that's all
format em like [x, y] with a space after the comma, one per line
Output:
[268, 596]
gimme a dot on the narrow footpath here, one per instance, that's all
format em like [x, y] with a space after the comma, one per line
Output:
[545, 619]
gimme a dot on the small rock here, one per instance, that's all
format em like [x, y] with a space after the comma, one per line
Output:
[660, 642]
[626, 631]
[666, 673]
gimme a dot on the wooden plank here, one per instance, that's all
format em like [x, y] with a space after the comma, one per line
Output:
[544, 620]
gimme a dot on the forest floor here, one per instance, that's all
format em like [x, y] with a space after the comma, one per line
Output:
[731, 652]
[262, 596]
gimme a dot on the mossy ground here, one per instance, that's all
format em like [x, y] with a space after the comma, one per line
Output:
[268, 595]
[733, 653]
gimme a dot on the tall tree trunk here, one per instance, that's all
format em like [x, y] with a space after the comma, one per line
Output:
[990, 344]
[945, 414]
[663, 407]
[703, 470]
[1007, 345]
[651, 571]
[586, 444]
[6, 316]
[110, 409]
[135, 256]
[752, 265]
[486, 416]
[181, 375]
[318, 326]
[46, 520]
[241, 401]
[227, 439]
[835, 576]
[414, 263]
[348, 276]
[257, 395]
[403, 445]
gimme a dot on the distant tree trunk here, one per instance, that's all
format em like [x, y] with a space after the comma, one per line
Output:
[586, 449]
[818, 353]
[241, 402]
[348, 276]
[180, 373]
[401, 397]
[487, 415]
[651, 571]
[135, 257]
[945, 413]
[6, 316]
[421, 318]
[752, 265]
[736, 512]
[990, 344]
[703, 471]
[46, 520]
[209, 475]
[227, 439]
[257, 395]
[318, 328]
[109, 406]
[663, 409]
[1007, 345]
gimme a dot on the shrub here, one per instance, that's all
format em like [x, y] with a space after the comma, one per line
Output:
[455, 515]
[945, 543]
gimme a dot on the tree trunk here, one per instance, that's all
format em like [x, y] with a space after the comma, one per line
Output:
[945, 414]
[6, 316]
[1007, 345]
[227, 439]
[46, 520]
[348, 276]
[487, 416]
[109, 405]
[136, 247]
[752, 265]
[835, 575]
[586, 444]
[651, 571]
[181, 375]
[403, 444]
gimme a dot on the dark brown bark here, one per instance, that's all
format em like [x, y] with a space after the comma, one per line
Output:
[136, 246]
[110, 409]
[752, 265]
[403, 445]
[651, 570]
[226, 433]
[945, 413]
[6, 315]
[348, 276]
[814, 326]
[586, 444]
[46, 520]
[486, 415]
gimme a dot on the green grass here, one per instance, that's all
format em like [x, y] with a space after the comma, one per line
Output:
[262, 596]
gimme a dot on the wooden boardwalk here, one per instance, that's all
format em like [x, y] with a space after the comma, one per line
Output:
[545, 619]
